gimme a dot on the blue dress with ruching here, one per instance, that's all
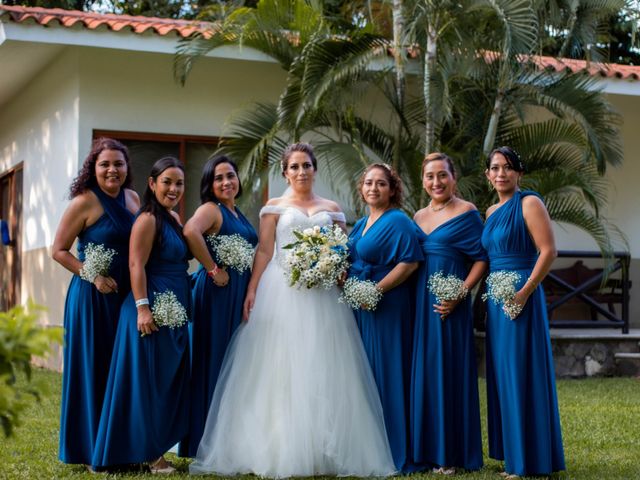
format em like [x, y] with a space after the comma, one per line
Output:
[90, 321]
[146, 405]
[386, 332]
[522, 405]
[217, 312]
[445, 410]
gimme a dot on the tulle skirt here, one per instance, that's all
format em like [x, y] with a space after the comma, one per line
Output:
[295, 396]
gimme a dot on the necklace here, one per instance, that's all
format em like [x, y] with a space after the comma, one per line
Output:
[441, 207]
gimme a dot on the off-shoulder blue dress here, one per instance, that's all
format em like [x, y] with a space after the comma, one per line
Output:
[146, 405]
[386, 332]
[217, 312]
[522, 405]
[445, 409]
[90, 321]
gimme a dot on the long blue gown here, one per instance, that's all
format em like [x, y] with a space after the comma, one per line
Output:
[90, 321]
[217, 312]
[386, 332]
[445, 409]
[146, 405]
[522, 406]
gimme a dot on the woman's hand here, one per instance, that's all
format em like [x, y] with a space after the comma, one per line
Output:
[249, 300]
[146, 325]
[520, 300]
[446, 307]
[105, 284]
[221, 278]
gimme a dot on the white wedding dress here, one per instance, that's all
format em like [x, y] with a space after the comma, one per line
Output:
[295, 396]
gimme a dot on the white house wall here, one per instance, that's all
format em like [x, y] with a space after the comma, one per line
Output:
[39, 127]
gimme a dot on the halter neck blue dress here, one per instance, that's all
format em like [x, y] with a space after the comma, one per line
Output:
[90, 321]
[386, 332]
[445, 408]
[146, 405]
[217, 312]
[522, 405]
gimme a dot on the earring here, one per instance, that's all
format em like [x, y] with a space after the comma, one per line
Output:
[491, 187]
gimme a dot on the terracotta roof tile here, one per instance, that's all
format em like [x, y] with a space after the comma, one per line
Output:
[93, 21]
[184, 28]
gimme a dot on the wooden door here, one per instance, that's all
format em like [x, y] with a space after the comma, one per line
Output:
[11, 212]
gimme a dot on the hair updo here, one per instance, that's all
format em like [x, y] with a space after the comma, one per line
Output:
[298, 147]
[513, 158]
[438, 156]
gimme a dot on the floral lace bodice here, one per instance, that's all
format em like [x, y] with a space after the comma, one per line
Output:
[291, 219]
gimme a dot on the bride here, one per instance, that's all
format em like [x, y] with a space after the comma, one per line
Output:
[295, 396]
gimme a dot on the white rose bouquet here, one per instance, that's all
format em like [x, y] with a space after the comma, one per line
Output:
[501, 289]
[318, 257]
[97, 261]
[232, 251]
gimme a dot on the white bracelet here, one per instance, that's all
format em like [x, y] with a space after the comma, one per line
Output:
[141, 302]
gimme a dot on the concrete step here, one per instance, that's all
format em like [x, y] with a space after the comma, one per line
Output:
[627, 356]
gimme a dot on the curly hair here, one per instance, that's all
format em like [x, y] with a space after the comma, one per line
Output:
[436, 156]
[209, 172]
[395, 183]
[298, 147]
[87, 176]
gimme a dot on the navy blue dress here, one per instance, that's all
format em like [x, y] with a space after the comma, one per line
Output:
[90, 321]
[386, 332]
[217, 312]
[445, 409]
[522, 406]
[146, 405]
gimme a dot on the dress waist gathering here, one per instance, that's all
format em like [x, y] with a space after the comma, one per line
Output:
[511, 261]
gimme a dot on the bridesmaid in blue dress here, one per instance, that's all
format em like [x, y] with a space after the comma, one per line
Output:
[445, 408]
[218, 292]
[146, 404]
[522, 408]
[384, 248]
[101, 212]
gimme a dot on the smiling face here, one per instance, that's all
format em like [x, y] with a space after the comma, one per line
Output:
[438, 181]
[502, 175]
[225, 183]
[168, 187]
[376, 189]
[300, 171]
[111, 171]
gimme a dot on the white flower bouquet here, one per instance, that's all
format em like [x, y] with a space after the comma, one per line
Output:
[97, 261]
[501, 289]
[360, 294]
[167, 310]
[318, 257]
[232, 251]
[446, 287]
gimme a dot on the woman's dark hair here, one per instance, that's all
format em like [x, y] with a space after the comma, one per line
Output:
[298, 147]
[395, 183]
[87, 176]
[438, 156]
[208, 174]
[513, 158]
[150, 203]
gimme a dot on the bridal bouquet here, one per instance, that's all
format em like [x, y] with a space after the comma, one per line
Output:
[232, 251]
[501, 289]
[446, 287]
[167, 310]
[360, 294]
[97, 261]
[318, 257]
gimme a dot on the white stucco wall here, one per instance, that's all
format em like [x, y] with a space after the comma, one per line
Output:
[39, 127]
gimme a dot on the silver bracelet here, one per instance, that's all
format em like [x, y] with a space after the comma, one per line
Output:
[141, 302]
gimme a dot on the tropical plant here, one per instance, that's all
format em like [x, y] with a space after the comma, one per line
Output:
[21, 338]
[481, 87]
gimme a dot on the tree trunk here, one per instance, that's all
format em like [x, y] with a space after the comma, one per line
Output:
[492, 129]
[398, 55]
[429, 70]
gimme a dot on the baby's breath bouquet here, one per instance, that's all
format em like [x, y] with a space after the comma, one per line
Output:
[97, 261]
[501, 289]
[360, 294]
[318, 257]
[446, 287]
[167, 310]
[232, 251]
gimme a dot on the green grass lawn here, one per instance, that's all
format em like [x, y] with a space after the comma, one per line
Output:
[600, 421]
